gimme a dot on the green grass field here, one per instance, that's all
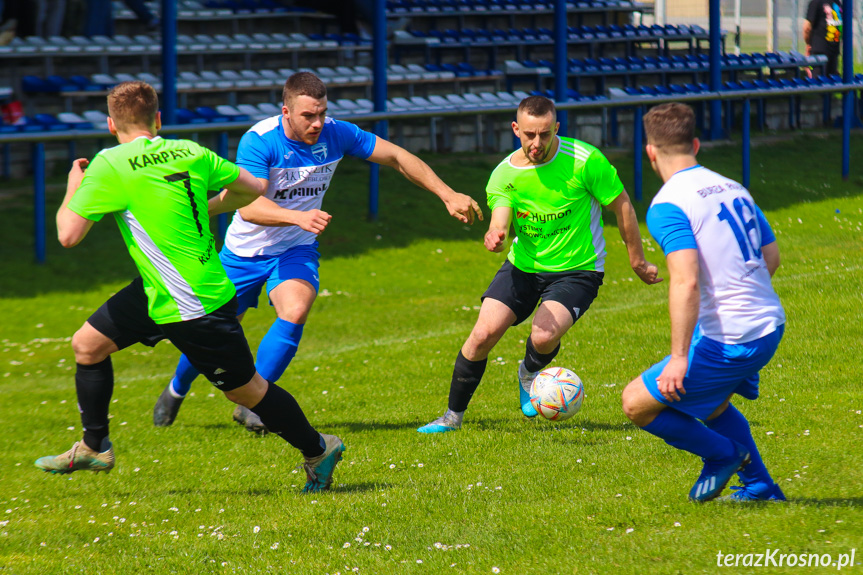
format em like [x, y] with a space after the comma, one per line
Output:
[504, 494]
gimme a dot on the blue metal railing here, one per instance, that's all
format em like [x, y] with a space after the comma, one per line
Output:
[637, 104]
[380, 116]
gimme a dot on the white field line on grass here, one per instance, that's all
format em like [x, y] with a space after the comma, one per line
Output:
[402, 340]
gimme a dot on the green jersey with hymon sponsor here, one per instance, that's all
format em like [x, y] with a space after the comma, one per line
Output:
[557, 208]
[157, 191]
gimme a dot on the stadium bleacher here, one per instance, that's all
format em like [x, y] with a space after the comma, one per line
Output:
[454, 55]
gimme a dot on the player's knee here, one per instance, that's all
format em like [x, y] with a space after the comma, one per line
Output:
[88, 350]
[483, 338]
[543, 340]
[632, 407]
[295, 314]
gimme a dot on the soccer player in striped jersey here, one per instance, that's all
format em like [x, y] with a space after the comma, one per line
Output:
[552, 191]
[726, 320]
[273, 242]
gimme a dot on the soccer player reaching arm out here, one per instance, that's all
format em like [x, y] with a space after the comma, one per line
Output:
[273, 241]
[460, 206]
[551, 192]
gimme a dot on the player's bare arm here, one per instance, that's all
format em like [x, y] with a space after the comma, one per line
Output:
[265, 212]
[498, 229]
[770, 252]
[460, 206]
[683, 304]
[627, 223]
[242, 191]
[72, 228]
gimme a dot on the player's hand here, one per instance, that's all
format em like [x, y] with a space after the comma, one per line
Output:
[670, 381]
[462, 207]
[314, 221]
[647, 272]
[76, 173]
[494, 240]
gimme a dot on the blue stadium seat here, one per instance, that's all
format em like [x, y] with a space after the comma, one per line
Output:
[50, 123]
[74, 121]
[185, 116]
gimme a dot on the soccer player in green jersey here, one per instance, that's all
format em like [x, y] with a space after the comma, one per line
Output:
[157, 191]
[551, 191]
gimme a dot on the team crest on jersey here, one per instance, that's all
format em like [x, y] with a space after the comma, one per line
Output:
[319, 151]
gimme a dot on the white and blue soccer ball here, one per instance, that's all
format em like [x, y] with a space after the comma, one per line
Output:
[556, 393]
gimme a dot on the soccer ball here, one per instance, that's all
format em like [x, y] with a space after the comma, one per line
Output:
[556, 393]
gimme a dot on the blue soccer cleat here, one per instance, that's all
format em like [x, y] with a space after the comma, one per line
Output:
[319, 470]
[757, 492]
[449, 421]
[525, 379]
[716, 474]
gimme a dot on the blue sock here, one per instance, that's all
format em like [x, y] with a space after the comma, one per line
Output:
[278, 348]
[733, 425]
[687, 433]
[184, 375]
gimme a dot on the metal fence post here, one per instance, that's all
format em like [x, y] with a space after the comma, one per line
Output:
[39, 231]
[746, 142]
[223, 152]
[637, 138]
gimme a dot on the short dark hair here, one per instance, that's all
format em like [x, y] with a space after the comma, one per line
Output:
[536, 106]
[303, 84]
[133, 104]
[671, 128]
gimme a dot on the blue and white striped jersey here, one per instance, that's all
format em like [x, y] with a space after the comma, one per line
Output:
[299, 176]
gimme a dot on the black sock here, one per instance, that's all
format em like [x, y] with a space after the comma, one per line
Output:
[94, 385]
[283, 416]
[535, 361]
[466, 376]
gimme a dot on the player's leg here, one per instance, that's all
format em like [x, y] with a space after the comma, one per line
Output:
[292, 299]
[292, 287]
[758, 485]
[727, 420]
[117, 324]
[566, 297]
[248, 276]
[722, 456]
[551, 321]
[510, 299]
[216, 345]
[495, 318]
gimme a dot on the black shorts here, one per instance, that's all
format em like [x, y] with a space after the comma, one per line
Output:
[521, 291]
[214, 343]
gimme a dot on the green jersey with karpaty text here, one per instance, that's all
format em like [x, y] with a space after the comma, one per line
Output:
[557, 208]
[157, 191]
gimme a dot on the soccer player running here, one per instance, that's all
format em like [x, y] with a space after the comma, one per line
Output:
[273, 241]
[726, 320]
[157, 191]
[552, 191]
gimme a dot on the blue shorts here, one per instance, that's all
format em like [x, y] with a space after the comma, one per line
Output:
[248, 274]
[716, 370]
